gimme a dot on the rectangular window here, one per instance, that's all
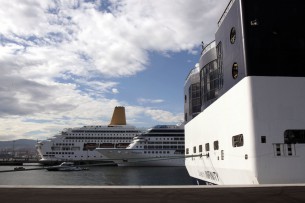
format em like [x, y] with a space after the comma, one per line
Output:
[187, 151]
[207, 147]
[238, 140]
[294, 136]
[194, 99]
[216, 145]
[267, 50]
[278, 149]
[194, 150]
[200, 148]
[263, 139]
[289, 149]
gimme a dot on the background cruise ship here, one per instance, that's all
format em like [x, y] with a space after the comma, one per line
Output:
[162, 145]
[250, 127]
[78, 144]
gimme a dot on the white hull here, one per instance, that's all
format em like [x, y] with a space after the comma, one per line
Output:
[78, 144]
[77, 155]
[136, 157]
[63, 148]
[254, 107]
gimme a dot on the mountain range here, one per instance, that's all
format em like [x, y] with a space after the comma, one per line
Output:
[21, 144]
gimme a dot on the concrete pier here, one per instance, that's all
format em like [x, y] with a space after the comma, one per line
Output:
[151, 194]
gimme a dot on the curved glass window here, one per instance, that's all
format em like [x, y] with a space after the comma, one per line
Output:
[194, 99]
[211, 79]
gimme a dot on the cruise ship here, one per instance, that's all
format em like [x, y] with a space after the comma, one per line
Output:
[250, 127]
[161, 145]
[78, 144]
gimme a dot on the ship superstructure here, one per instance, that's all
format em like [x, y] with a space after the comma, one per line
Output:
[251, 125]
[79, 143]
[161, 145]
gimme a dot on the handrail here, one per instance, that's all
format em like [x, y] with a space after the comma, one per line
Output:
[225, 12]
[193, 70]
[208, 47]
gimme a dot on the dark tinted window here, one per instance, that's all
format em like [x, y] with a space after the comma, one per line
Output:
[294, 136]
[275, 37]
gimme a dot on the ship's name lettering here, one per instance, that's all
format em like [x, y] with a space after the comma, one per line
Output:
[212, 175]
[209, 175]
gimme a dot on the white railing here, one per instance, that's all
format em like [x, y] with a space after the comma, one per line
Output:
[193, 71]
[208, 47]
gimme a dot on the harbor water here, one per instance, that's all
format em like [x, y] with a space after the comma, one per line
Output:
[97, 176]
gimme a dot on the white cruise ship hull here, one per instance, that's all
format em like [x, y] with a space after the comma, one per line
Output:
[137, 157]
[258, 108]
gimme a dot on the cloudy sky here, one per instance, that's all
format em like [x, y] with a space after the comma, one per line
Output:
[69, 63]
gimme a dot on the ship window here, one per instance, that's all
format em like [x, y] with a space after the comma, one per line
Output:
[216, 145]
[277, 41]
[235, 70]
[289, 148]
[194, 99]
[194, 149]
[233, 35]
[207, 147]
[200, 148]
[211, 81]
[238, 140]
[278, 149]
[294, 136]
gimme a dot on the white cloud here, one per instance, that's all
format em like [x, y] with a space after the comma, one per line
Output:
[164, 116]
[115, 91]
[115, 43]
[152, 101]
[59, 59]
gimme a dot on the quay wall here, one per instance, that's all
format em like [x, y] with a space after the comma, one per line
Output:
[154, 194]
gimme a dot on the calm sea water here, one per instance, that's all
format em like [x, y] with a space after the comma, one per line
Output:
[98, 176]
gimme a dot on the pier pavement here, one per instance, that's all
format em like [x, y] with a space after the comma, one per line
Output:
[153, 194]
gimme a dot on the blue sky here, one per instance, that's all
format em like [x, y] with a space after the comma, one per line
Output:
[69, 63]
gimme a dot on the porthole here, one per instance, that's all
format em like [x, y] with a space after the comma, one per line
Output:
[233, 35]
[235, 70]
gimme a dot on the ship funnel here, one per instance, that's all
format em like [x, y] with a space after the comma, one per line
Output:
[118, 117]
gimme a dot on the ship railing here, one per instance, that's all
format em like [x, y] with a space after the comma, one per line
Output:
[208, 47]
[192, 71]
[224, 14]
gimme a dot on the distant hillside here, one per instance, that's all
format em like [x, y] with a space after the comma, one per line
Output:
[18, 144]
